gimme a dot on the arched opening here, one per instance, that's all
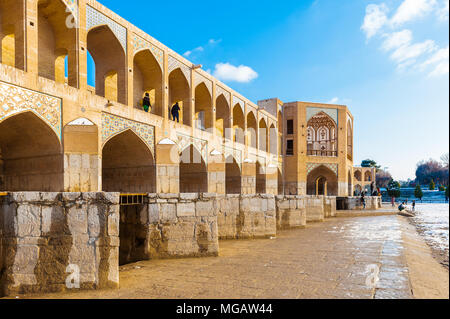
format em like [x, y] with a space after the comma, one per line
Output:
[358, 190]
[368, 176]
[358, 176]
[262, 135]
[193, 172]
[238, 124]
[57, 44]
[260, 178]
[280, 133]
[349, 140]
[11, 33]
[273, 140]
[147, 78]
[280, 183]
[31, 156]
[179, 92]
[223, 117]
[128, 165]
[203, 108]
[322, 181]
[109, 58]
[350, 183]
[322, 136]
[251, 130]
[233, 180]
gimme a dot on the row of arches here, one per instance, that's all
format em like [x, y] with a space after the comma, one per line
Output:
[367, 176]
[31, 159]
[57, 61]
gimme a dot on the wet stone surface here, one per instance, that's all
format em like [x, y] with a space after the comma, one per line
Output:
[326, 260]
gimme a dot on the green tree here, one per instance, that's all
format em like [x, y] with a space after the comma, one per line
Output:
[432, 185]
[370, 163]
[393, 189]
[418, 192]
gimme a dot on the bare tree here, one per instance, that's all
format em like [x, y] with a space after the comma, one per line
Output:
[444, 159]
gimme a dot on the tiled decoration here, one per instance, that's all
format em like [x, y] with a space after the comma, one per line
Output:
[95, 18]
[141, 44]
[312, 111]
[311, 166]
[113, 125]
[241, 103]
[220, 90]
[175, 64]
[14, 100]
[236, 154]
[201, 145]
[198, 78]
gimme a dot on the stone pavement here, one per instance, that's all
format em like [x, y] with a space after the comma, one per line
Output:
[326, 260]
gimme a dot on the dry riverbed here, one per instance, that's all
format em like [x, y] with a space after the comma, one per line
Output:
[335, 259]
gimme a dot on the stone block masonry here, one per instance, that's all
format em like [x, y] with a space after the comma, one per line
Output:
[291, 212]
[47, 237]
[180, 225]
[246, 216]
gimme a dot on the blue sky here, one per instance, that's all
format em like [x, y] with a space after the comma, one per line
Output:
[387, 60]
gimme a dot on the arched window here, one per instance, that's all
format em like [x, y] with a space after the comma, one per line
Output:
[321, 138]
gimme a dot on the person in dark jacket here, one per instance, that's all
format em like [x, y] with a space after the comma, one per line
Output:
[146, 103]
[176, 112]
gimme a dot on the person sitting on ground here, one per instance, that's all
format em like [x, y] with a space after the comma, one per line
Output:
[146, 103]
[402, 207]
[176, 112]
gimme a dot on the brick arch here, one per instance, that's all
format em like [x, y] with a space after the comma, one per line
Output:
[148, 78]
[31, 154]
[322, 174]
[128, 165]
[193, 171]
[223, 116]
[179, 91]
[233, 176]
[110, 63]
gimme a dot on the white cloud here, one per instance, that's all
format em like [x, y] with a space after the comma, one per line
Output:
[440, 69]
[213, 41]
[189, 53]
[397, 39]
[375, 19]
[229, 72]
[412, 51]
[333, 100]
[412, 9]
[442, 12]
[439, 61]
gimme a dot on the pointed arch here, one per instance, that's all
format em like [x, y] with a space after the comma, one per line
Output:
[148, 78]
[261, 178]
[12, 33]
[179, 91]
[233, 178]
[223, 117]
[263, 135]
[110, 63]
[358, 175]
[203, 107]
[252, 129]
[31, 155]
[322, 135]
[128, 165]
[238, 124]
[57, 44]
[322, 181]
[193, 171]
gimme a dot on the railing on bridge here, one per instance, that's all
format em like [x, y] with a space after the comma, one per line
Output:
[132, 199]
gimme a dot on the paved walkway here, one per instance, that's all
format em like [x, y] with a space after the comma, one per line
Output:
[326, 260]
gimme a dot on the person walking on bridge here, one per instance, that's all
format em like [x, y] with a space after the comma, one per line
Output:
[176, 112]
[146, 103]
